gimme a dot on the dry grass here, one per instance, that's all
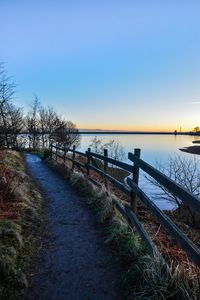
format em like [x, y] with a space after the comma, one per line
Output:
[20, 220]
[143, 276]
[160, 281]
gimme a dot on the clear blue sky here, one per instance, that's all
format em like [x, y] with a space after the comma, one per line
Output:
[106, 64]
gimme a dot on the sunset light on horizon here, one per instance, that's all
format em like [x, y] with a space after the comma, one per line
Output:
[111, 65]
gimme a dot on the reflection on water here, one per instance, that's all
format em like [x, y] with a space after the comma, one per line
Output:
[154, 148]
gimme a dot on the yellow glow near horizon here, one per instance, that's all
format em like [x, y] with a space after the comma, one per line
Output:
[158, 128]
[136, 70]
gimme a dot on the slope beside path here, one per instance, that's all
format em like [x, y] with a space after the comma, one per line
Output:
[74, 262]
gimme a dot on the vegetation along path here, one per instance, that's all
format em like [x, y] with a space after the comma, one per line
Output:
[73, 263]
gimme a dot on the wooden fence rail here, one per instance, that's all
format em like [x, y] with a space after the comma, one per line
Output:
[129, 212]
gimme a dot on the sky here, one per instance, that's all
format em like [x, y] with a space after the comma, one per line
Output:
[126, 65]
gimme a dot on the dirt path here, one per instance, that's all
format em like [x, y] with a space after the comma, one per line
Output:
[74, 263]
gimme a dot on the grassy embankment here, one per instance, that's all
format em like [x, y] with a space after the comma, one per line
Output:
[20, 224]
[143, 277]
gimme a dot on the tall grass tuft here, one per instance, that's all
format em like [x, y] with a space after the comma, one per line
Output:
[20, 223]
[155, 280]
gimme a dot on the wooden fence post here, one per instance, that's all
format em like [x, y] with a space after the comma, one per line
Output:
[136, 180]
[88, 162]
[64, 155]
[73, 157]
[51, 150]
[56, 152]
[105, 168]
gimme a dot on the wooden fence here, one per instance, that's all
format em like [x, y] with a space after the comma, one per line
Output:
[129, 212]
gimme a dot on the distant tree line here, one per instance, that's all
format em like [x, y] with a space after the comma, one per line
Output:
[41, 125]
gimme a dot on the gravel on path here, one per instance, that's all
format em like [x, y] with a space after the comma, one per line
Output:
[74, 263]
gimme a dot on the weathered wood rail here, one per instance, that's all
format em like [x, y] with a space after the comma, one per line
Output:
[129, 212]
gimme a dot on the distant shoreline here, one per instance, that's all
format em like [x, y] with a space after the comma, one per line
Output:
[138, 132]
[128, 132]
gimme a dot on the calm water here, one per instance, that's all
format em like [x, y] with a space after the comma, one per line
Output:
[154, 148]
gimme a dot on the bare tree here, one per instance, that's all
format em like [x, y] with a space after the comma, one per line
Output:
[43, 125]
[96, 145]
[11, 117]
[16, 123]
[49, 122]
[46, 127]
[32, 121]
[66, 134]
[184, 171]
[6, 93]
[115, 150]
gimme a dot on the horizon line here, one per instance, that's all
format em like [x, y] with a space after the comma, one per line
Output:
[128, 130]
